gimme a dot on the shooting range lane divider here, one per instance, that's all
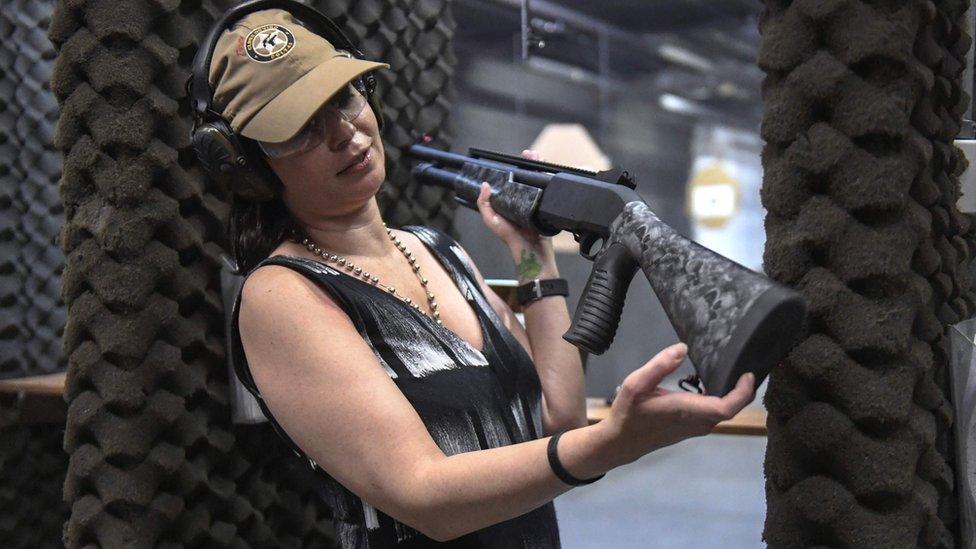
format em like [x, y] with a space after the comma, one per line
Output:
[861, 102]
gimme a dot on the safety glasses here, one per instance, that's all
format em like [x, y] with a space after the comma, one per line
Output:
[348, 103]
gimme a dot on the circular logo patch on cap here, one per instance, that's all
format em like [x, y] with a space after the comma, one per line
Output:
[269, 42]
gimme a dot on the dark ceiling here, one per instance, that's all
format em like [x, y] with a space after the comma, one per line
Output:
[657, 16]
[702, 50]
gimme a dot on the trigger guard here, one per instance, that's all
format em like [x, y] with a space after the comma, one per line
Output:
[586, 245]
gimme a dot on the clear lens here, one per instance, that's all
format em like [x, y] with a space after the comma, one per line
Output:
[348, 103]
[302, 141]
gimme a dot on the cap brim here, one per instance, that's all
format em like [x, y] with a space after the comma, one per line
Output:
[282, 117]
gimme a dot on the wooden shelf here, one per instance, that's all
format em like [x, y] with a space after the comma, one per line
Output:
[47, 385]
[33, 400]
[750, 421]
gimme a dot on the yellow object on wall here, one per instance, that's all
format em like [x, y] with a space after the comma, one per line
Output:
[713, 195]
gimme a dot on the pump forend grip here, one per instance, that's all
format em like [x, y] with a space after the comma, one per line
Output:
[598, 313]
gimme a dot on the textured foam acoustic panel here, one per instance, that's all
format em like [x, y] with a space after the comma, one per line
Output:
[862, 101]
[31, 311]
[154, 460]
[32, 463]
[32, 466]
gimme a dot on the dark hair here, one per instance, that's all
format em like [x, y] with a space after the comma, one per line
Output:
[256, 228]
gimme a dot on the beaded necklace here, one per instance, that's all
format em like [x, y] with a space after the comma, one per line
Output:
[358, 271]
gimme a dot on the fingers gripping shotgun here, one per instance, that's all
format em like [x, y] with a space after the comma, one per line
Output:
[734, 320]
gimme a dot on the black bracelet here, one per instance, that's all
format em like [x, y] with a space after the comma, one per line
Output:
[558, 468]
[539, 288]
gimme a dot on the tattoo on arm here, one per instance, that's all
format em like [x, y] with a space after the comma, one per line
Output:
[528, 266]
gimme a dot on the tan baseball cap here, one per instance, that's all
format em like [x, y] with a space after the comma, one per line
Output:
[270, 74]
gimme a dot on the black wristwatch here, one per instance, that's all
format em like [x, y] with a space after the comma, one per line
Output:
[535, 289]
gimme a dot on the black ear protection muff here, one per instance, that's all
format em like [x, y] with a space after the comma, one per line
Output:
[220, 150]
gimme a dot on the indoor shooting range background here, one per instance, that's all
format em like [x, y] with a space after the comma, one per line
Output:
[831, 123]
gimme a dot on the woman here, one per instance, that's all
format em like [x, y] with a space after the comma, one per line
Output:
[381, 354]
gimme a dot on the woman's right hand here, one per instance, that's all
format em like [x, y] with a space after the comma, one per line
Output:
[645, 417]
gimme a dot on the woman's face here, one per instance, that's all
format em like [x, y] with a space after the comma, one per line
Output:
[319, 182]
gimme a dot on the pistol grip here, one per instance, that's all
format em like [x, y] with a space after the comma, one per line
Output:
[598, 313]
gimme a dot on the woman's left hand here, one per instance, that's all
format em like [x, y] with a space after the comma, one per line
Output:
[515, 237]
